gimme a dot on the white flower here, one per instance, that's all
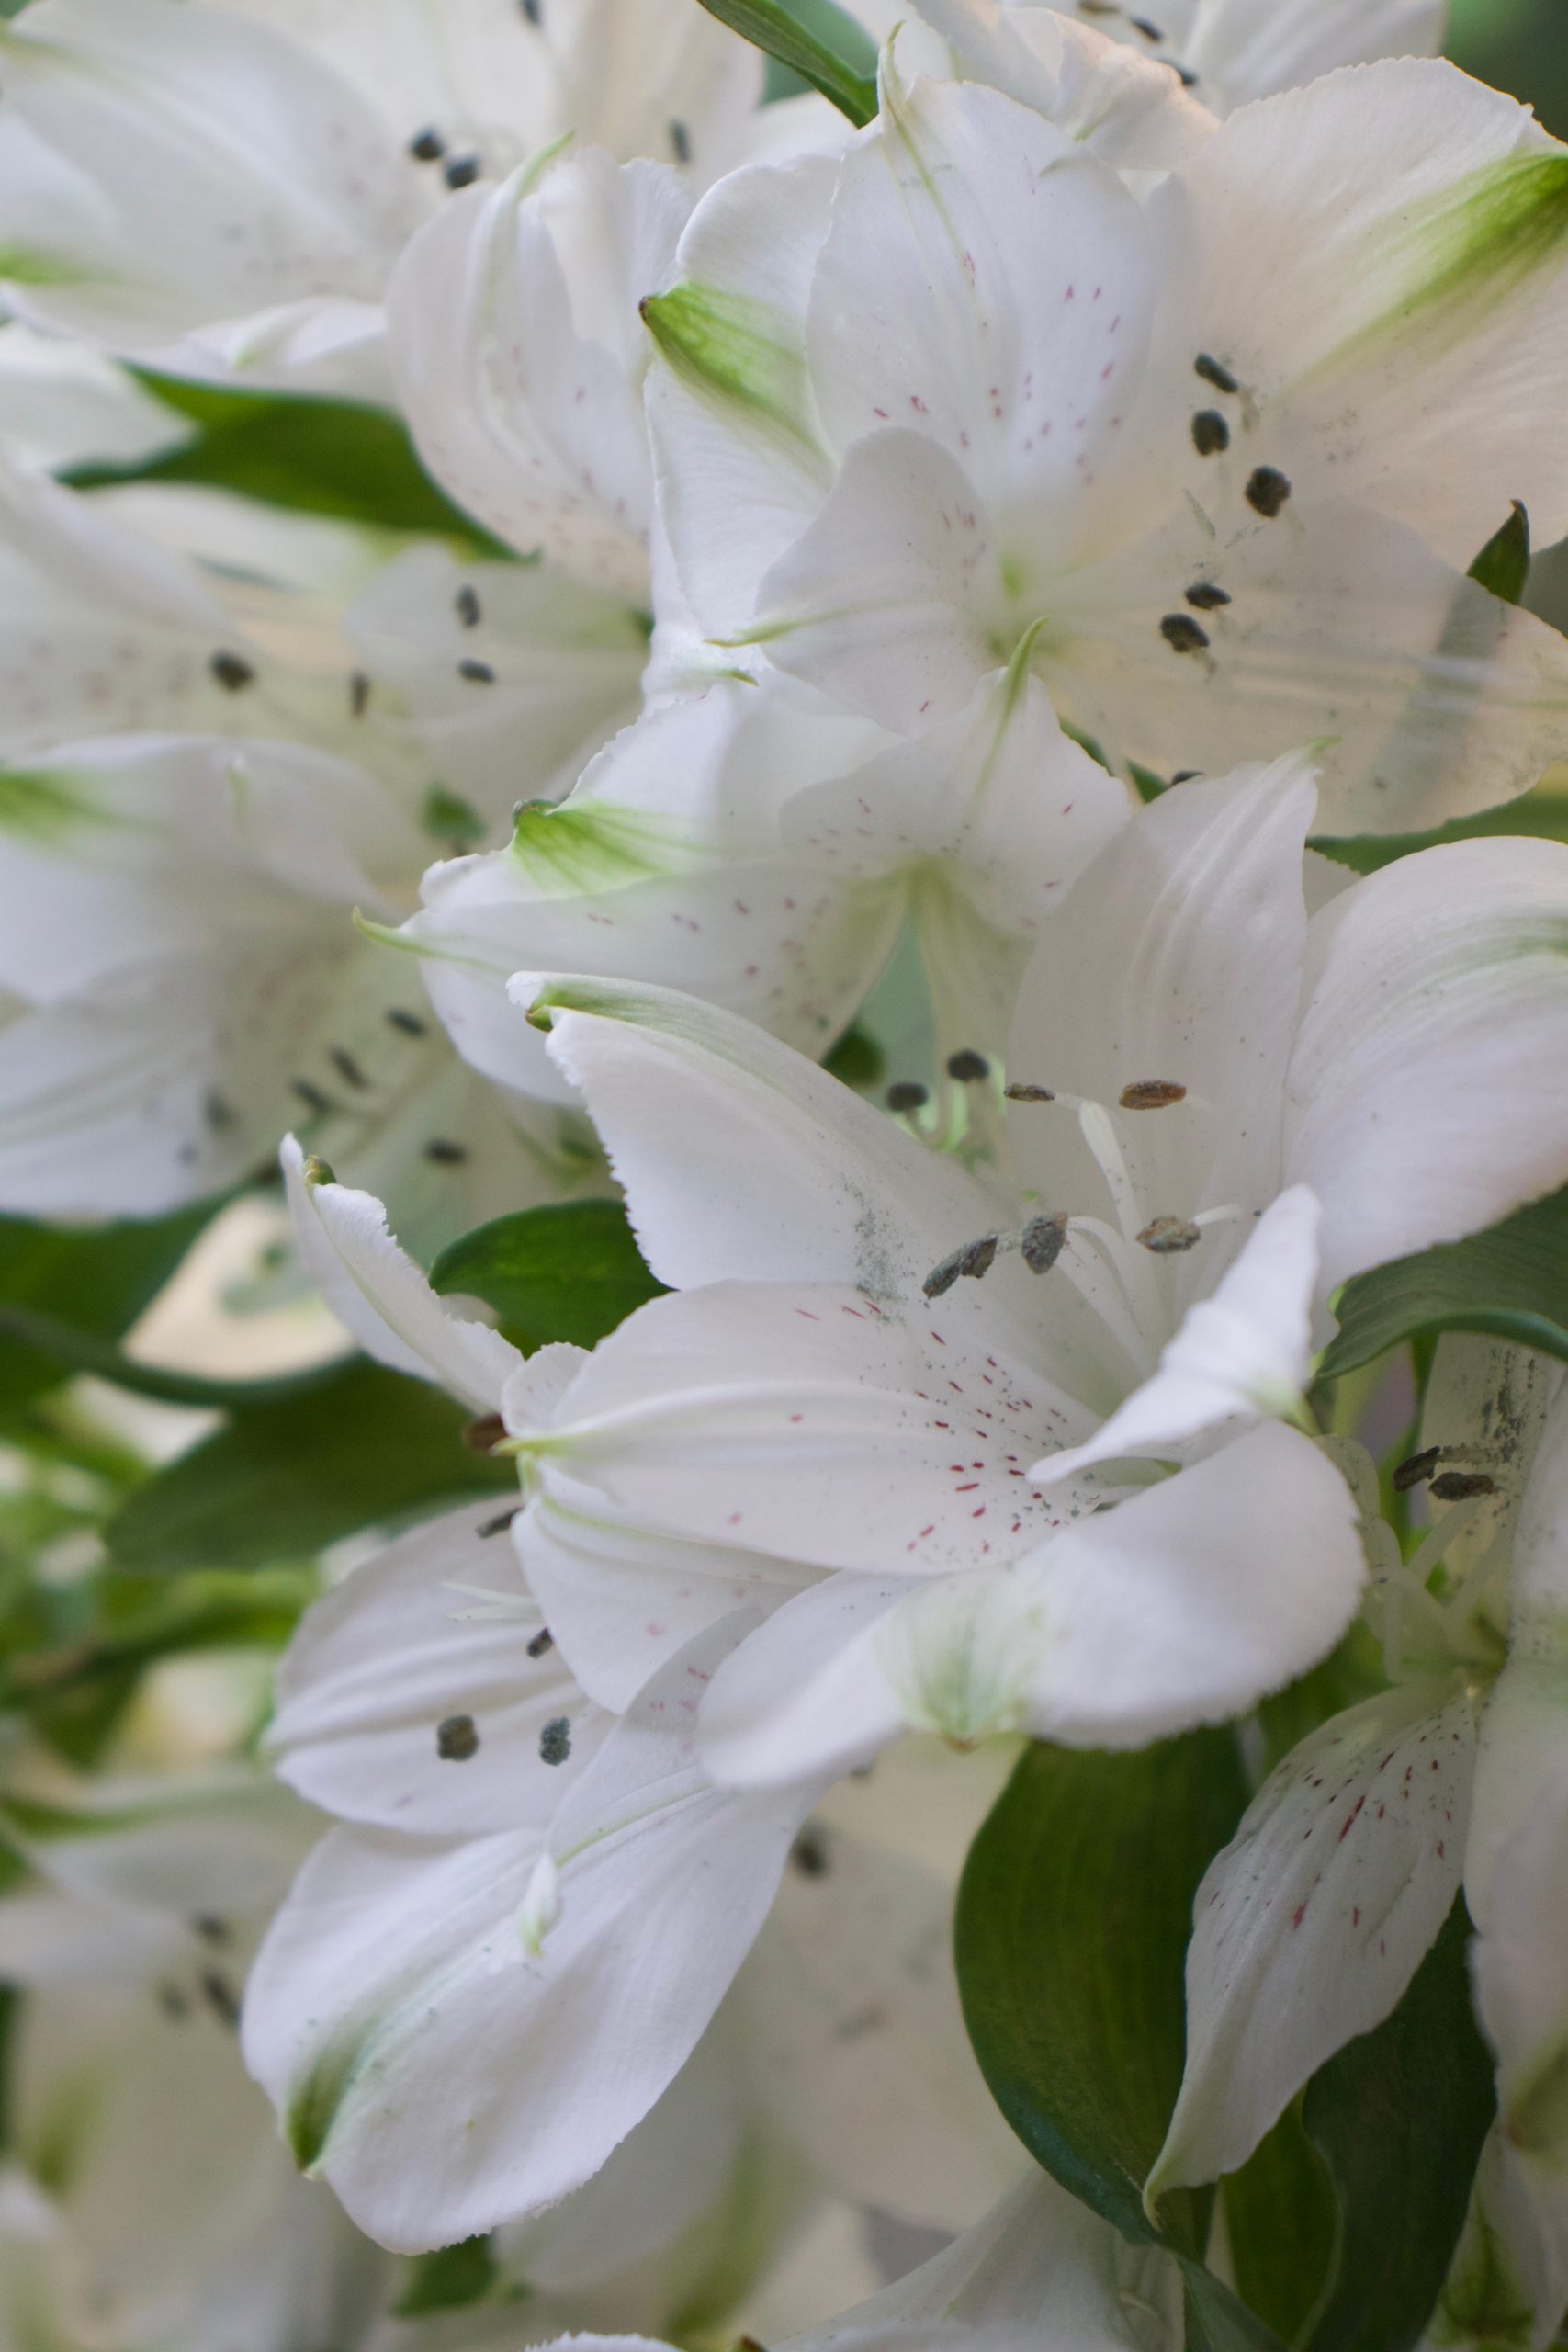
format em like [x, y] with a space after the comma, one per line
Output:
[1312, 1922]
[172, 2216]
[512, 1954]
[909, 1468]
[1222, 458]
[225, 191]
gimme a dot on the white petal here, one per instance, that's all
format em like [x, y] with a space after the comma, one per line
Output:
[401, 1646]
[1129, 109]
[1243, 1353]
[505, 2016]
[1313, 1920]
[797, 1178]
[1436, 1017]
[1252, 48]
[378, 1292]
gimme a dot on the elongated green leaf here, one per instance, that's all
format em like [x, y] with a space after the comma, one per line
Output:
[98, 1279]
[76, 1351]
[280, 1482]
[1398, 2118]
[445, 2280]
[1218, 2321]
[317, 456]
[821, 44]
[1540, 816]
[1504, 564]
[1279, 2218]
[571, 1272]
[1073, 1918]
[1511, 1282]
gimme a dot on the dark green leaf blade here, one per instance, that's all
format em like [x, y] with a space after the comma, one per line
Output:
[76, 1351]
[1504, 564]
[282, 1481]
[1510, 1282]
[446, 2280]
[1280, 2221]
[1073, 1918]
[832, 51]
[570, 1271]
[1398, 2117]
[99, 1278]
[1540, 816]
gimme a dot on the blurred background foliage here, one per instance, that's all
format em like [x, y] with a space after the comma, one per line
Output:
[1517, 45]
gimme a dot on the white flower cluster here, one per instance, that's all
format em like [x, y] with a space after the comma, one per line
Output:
[883, 738]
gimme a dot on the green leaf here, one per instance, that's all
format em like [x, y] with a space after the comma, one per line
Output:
[99, 1279]
[1218, 2321]
[1280, 2218]
[313, 455]
[1503, 563]
[1510, 1282]
[821, 44]
[74, 1351]
[443, 2281]
[572, 1271]
[1540, 816]
[1073, 1917]
[1398, 2117]
[280, 1482]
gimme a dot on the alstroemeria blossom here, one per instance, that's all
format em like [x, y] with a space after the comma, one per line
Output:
[503, 1833]
[225, 191]
[861, 1382]
[1219, 458]
[1312, 1922]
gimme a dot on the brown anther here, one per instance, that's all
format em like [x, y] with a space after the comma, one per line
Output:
[466, 602]
[1267, 491]
[1206, 597]
[1041, 1241]
[967, 1065]
[907, 1094]
[809, 1853]
[444, 1153]
[1210, 433]
[1459, 1486]
[456, 1738]
[1182, 634]
[1151, 1094]
[543, 1640]
[1026, 1094]
[1213, 373]
[358, 694]
[499, 1524]
[1415, 1470]
[347, 1069]
[477, 673]
[482, 1436]
[230, 672]
[1169, 1235]
[427, 146]
[461, 172]
[976, 1258]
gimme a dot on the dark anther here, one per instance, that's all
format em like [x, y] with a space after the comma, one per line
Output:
[218, 1112]
[481, 1435]
[358, 694]
[230, 672]
[1415, 1470]
[543, 1640]
[427, 146]
[444, 1153]
[501, 1523]
[342, 1061]
[456, 1738]
[1097, 8]
[312, 1096]
[1182, 634]
[976, 1258]
[1042, 1242]
[1184, 74]
[1151, 1094]
[461, 172]
[1142, 25]
[680, 142]
[1206, 597]
[221, 1998]
[749, 2343]
[809, 1853]
[1169, 1235]
[555, 1740]
[1185, 775]
[1212, 373]
[467, 603]
[1457, 1486]
[967, 1065]
[907, 1094]
[1267, 491]
[408, 1022]
[210, 1928]
[1022, 1092]
[478, 673]
[1210, 433]
[531, 9]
